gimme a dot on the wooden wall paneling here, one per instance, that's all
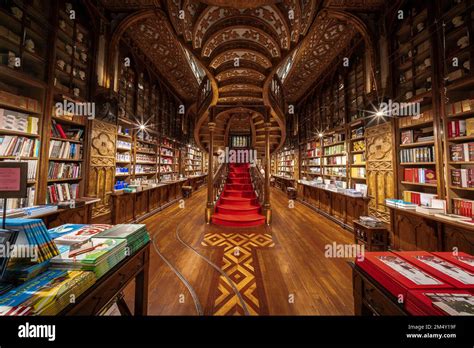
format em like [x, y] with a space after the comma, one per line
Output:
[414, 233]
[457, 239]
[381, 177]
[102, 167]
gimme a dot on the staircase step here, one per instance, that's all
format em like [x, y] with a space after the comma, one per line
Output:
[237, 210]
[238, 200]
[247, 220]
[239, 187]
[238, 193]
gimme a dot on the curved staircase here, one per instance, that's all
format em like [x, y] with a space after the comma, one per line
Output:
[238, 205]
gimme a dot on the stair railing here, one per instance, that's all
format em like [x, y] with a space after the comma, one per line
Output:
[219, 180]
[258, 183]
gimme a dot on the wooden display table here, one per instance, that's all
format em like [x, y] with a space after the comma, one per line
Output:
[370, 298]
[197, 181]
[417, 231]
[339, 207]
[109, 287]
[373, 238]
[128, 207]
[283, 183]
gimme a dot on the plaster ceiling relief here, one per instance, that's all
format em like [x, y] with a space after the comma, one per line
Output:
[240, 100]
[239, 33]
[240, 88]
[118, 5]
[328, 37]
[237, 73]
[154, 37]
[292, 6]
[268, 14]
[372, 5]
[241, 54]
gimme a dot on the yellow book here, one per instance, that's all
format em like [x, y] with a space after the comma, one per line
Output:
[470, 127]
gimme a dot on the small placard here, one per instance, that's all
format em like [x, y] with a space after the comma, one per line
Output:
[13, 178]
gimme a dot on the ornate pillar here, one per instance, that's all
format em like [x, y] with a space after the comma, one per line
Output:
[210, 176]
[267, 211]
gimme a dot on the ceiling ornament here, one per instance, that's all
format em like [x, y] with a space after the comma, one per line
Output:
[268, 14]
[241, 88]
[155, 38]
[242, 54]
[241, 33]
[237, 73]
[328, 37]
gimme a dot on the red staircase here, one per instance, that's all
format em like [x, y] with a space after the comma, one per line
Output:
[238, 205]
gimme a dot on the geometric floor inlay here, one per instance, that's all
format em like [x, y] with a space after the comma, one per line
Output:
[239, 263]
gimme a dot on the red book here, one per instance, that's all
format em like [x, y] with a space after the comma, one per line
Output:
[450, 273]
[428, 302]
[397, 275]
[61, 131]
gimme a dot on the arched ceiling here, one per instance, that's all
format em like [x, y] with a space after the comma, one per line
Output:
[241, 43]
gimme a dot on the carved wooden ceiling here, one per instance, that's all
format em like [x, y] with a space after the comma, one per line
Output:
[241, 43]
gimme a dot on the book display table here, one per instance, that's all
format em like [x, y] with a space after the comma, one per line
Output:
[109, 287]
[374, 238]
[283, 183]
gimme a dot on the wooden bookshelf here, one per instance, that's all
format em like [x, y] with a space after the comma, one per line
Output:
[285, 163]
[357, 154]
[192, 161]
[335, 159]
[310, 159]
[145, 155]
[169, 168]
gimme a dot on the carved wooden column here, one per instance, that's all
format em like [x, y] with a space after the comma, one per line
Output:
[267, 211]
[210, 176]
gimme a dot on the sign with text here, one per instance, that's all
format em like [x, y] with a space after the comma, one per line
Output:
[13, 178]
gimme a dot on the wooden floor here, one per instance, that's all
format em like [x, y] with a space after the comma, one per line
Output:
[277, 270]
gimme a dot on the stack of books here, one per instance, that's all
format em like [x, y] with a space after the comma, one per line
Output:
[18, 122]
[33, 234]
[98, 255]
[399, 203]
[135, 235]
[462, 152]
[371, 221]
[47, 294]
[72, 234]
[22, 272]
[31, 212]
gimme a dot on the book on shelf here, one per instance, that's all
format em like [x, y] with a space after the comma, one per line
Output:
[462, 152]
[358, 172]
[16, 203]
[11, 145]
[460, 107]
[419, 175]
[358, 145]
[463, 178]
[357, 132]
[461, 128]
[417, 154]
[61, 170]
[18, 101]
[463, 207]
[32, 166]
[334, 149]
[62, 192]
[413, 136]
[65, 150]
[419, 198]
[358, 158]
[58, 131]
[18, 121]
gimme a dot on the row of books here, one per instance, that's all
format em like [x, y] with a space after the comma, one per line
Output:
[19, 101]
[334, 138]
[462, 177]
[335, 149]
[15, 203]
[418, 198]
[58, 131]
[17, 121]
[32, 166]
[413, 136]
[463, 207]
[438, 283]
[61, 170]
[358, 172]
[357, 132]
[62, 192]
[358, 145]
[358, 158]
[19, 146]
[312, 145]
[124, 145]
[417, 154]
[315, 152]
[335, 160]
[462, 152]
[460, 107]
[65, 150]
[419, 175]
[461, 128]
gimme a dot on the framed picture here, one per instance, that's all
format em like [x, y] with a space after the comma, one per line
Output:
[13, 179]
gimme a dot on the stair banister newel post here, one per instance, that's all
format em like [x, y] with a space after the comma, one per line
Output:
[266, 203]
[210, 182]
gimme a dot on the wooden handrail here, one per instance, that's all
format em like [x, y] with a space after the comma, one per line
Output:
[258, 182]
[218, 180]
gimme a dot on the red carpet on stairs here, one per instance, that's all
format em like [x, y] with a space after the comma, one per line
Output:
[238, 205]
